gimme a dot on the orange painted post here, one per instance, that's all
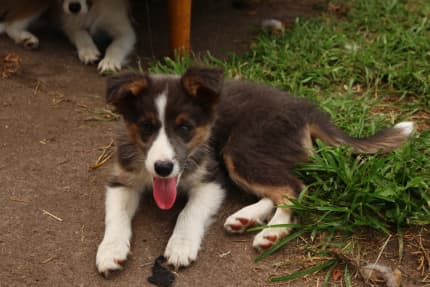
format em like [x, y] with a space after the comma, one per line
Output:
[179, 26]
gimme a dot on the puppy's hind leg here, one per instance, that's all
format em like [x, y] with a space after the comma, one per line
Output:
[277, 194]
[254, 214]
[121, 205]
[17, 30]
[269, 236]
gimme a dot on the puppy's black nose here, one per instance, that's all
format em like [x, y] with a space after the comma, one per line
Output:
[163, 167]
[75, 7]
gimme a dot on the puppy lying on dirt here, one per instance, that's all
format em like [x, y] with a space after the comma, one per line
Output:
[194, 132]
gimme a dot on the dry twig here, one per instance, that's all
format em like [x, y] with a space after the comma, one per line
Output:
[50, 214]
[106, 154]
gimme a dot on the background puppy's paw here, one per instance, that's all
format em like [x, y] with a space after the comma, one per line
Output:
[109, 65]
[181, 251]
[28, 40]
[111, 255]
[89, 55]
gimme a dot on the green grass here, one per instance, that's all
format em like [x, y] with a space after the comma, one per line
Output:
[377, 56]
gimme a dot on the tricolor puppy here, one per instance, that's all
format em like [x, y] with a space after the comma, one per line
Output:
[194, 132]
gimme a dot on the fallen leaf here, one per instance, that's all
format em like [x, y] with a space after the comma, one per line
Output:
[337, 274]
[10, 65]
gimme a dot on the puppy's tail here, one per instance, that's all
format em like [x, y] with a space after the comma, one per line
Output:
[383, 141]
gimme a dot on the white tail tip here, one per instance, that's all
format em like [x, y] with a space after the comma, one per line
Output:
[406, 127]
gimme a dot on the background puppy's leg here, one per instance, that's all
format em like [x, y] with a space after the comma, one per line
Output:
[122, 44]
[16, 29]
[87, 51]
[183, 246]
[121, 205]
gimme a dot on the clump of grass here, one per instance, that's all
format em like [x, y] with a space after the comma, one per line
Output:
[375, 191]
[377, 55]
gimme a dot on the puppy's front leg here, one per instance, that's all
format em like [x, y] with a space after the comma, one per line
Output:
[122, 44]
[87, 51]
[183, 246]
[121, 205]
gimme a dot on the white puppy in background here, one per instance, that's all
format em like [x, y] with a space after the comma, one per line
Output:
[79, 19]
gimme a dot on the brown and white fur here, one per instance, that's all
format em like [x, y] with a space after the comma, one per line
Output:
[78, 19]
[16, 17]
[195, 132]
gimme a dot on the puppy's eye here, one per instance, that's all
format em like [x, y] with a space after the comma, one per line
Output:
[147, 128]
[185, 130]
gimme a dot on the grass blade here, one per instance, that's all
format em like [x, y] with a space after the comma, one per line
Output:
[347, 278]
[279, 245]
[305, 272]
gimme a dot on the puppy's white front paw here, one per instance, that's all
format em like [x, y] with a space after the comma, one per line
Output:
[111, 255]
[269, 237]
[181, 251]
[89, 54]
[109, 65]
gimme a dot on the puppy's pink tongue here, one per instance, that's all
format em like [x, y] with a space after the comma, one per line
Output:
[164, 191]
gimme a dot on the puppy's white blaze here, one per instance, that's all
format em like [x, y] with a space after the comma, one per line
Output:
[406, 127]
[160, 105]
[2, 28]
[161, 148]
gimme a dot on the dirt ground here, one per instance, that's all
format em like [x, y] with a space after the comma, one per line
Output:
[49, 138]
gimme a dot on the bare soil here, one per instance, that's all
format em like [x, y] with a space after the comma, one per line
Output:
[49, 138]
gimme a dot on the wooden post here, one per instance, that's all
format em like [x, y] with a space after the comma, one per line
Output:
[179, 12]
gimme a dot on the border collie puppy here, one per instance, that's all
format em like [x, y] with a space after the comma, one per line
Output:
[194, 132]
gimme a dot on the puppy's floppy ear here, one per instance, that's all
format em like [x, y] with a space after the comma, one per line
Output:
[124, 86]
[204, 84]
